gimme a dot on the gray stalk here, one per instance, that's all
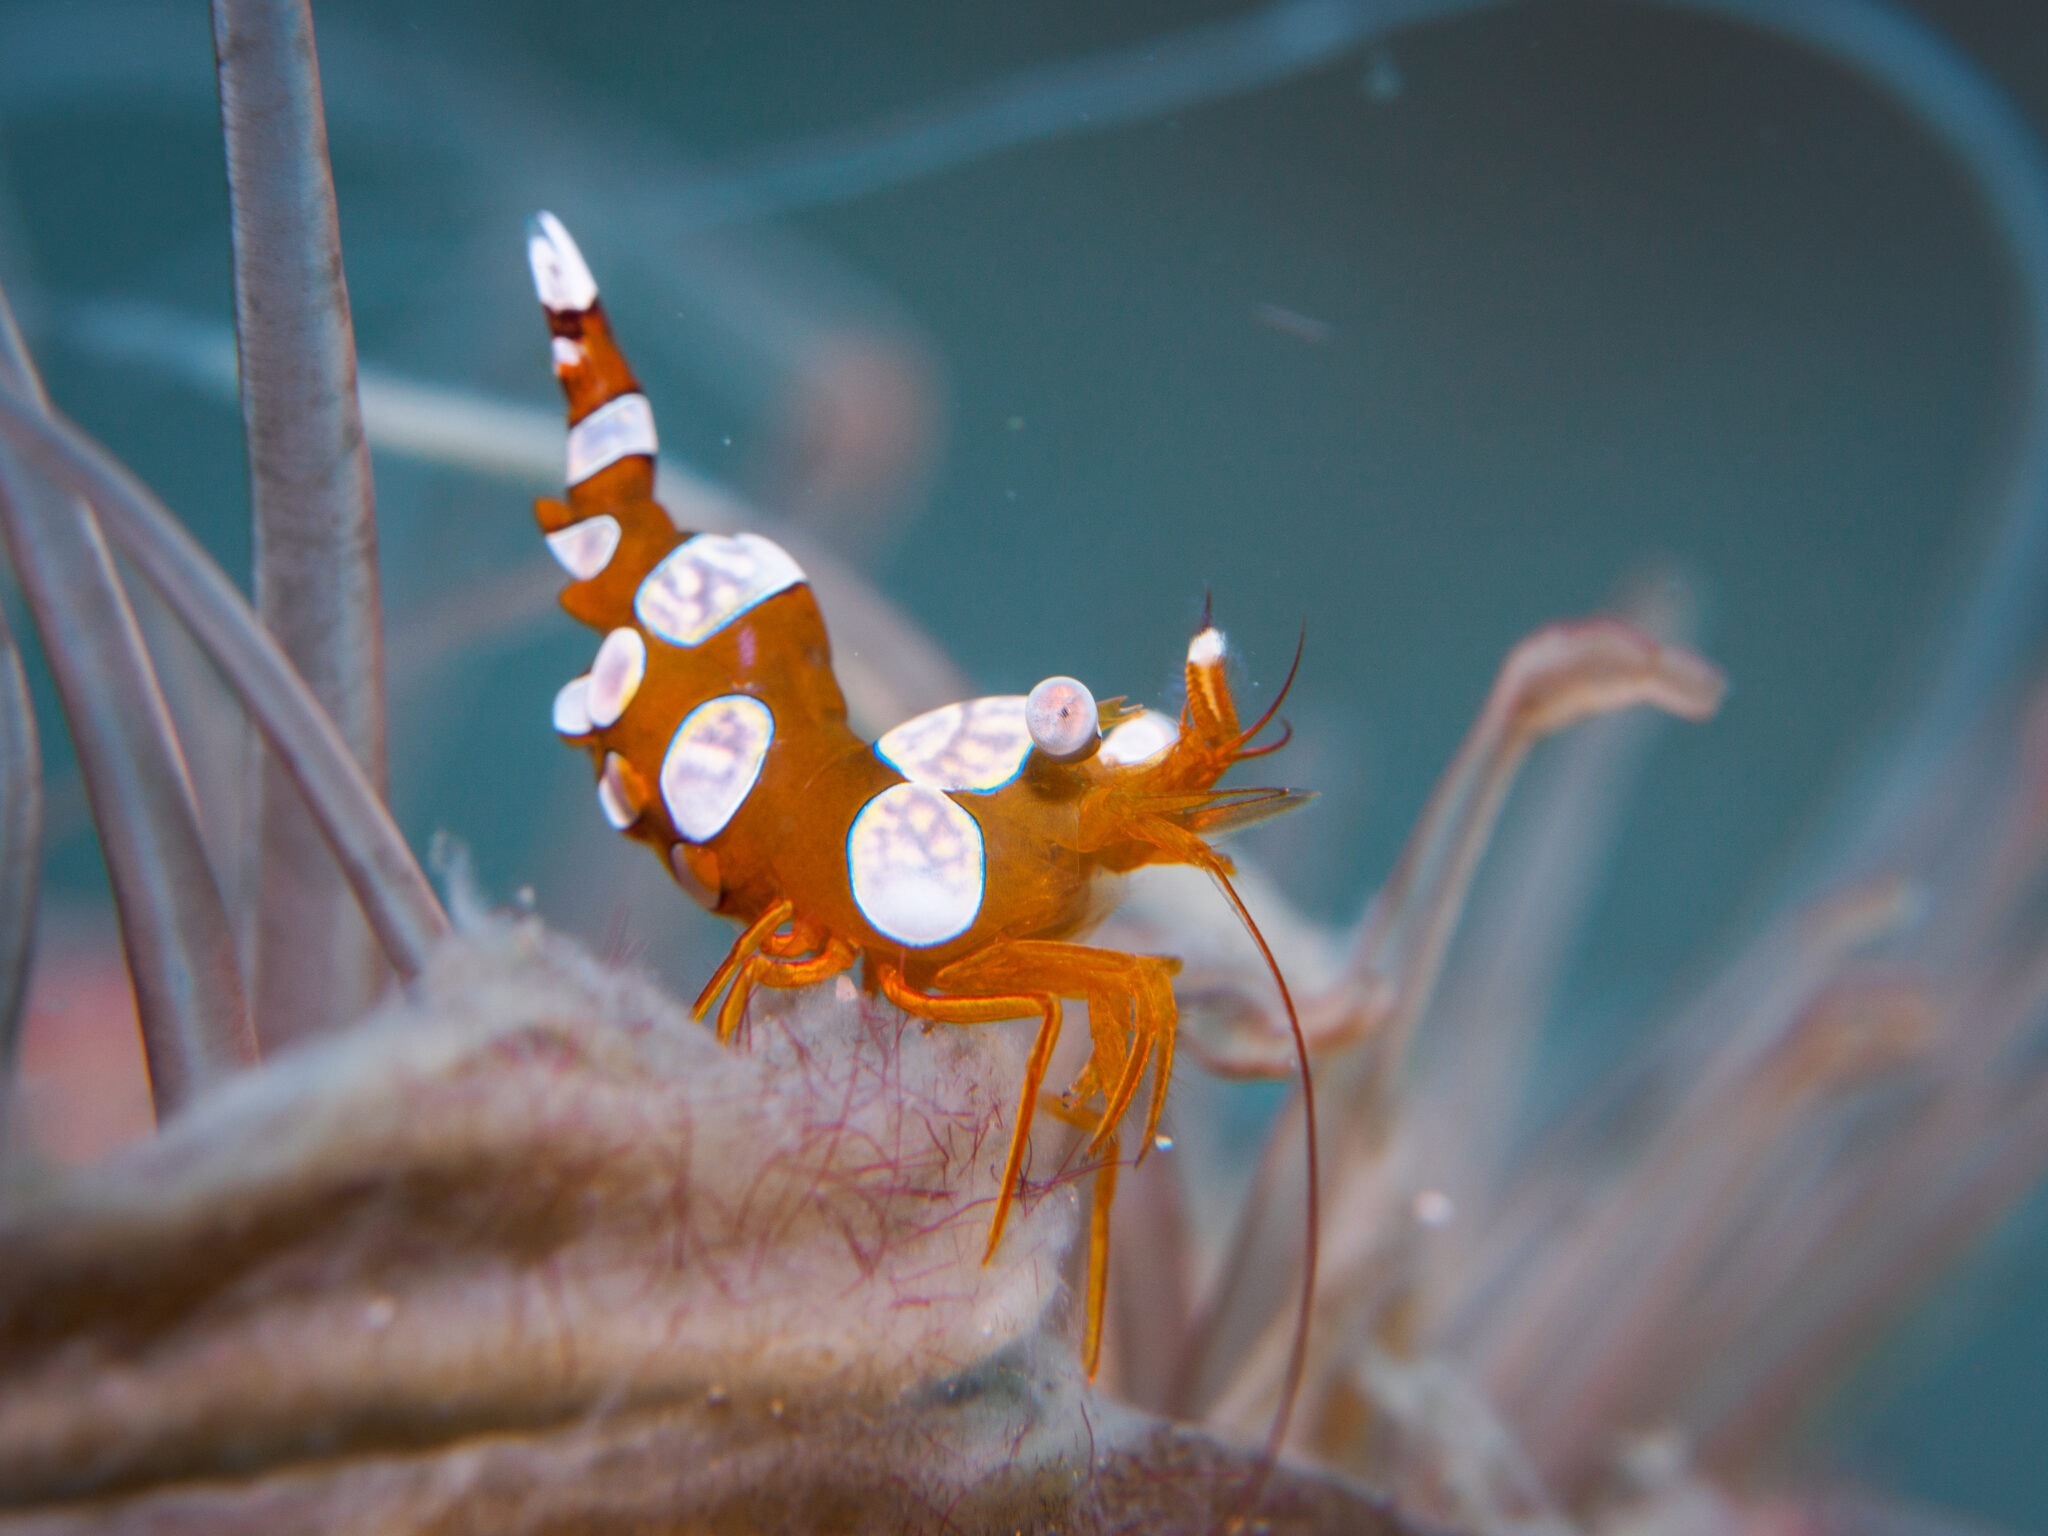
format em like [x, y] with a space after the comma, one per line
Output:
[314, 966]
[375, 863]
[174, 925]
[21, 850]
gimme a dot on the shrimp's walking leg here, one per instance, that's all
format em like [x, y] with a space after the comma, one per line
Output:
[1111, 981]
[771, 970]
[1098, 1252]
[988, 1010]
[751, 938]
[1023, 976]
[1098, 1225]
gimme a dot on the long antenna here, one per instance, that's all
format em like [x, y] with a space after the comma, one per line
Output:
[1311, 1243]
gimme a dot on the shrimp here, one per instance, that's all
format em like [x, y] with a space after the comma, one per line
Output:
[959, 859]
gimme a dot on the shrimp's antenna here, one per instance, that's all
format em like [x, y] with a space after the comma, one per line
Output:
[1311, 1243]
[1272, 709]
[1286, 735]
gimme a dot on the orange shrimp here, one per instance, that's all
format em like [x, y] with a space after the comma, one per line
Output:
[959, 857]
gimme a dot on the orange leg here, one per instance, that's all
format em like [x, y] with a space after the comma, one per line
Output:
[1098, 1255]
[1111, 981]
[1023, 976]
[1123, 1031]
[1098, 1229]
[756, 933]
[766, 970]
[989, 1010]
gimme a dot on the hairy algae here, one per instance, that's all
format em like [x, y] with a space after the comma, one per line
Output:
[529, 1251]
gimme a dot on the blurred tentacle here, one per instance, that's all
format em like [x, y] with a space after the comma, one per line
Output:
[1557, 677]
[21, 853]
[1592, 1321]
[1178, 71]
[1154, 77]
[313, 965]
[1994, 620]
[174, 925]
[888, 666]
[1560, 675]
[1526, 914]
[401, 906]
[1150, 1263]
[1502, 976]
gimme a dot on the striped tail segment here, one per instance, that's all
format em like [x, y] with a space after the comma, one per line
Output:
[610, 421]
[610, 532]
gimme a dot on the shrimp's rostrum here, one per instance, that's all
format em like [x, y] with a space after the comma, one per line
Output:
[958, 858]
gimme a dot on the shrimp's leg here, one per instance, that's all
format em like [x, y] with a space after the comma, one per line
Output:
[751, 938]
[989, 1009]
[1111, 981]
[1104, 1136]
[771, 970]
[1013, 979]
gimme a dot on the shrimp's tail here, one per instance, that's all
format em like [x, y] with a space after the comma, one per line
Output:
[610, 532]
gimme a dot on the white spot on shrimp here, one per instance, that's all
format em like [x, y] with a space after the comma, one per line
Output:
[1060, 714]
[1206, 649]
[616, 793]
[560, 275]
[572, 707]
[712, 763]
[583, 549]
[1142, 740]
[708, 581]
[917, 864]
[567, 352]
[615, 675]
[616, 430]
[975, 746]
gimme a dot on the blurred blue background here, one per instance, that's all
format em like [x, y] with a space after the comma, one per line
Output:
[1422, 344]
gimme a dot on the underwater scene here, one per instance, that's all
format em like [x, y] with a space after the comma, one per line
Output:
[1580, 467]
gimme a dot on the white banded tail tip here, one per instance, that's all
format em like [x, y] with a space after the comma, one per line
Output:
[561, 278]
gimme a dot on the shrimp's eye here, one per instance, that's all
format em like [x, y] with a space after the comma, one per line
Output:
[1060, 714]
